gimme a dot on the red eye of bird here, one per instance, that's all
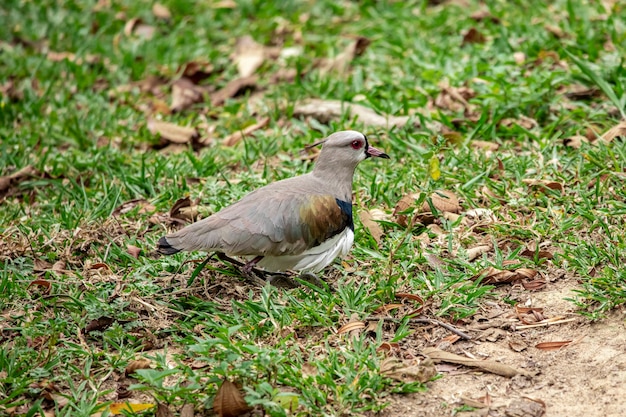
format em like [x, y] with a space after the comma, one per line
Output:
[357, 144]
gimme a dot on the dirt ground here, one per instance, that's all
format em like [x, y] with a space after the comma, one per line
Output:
[585, 378]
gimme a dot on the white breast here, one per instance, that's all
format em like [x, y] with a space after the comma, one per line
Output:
[314, 259]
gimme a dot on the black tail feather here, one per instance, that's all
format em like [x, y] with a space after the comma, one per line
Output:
[165, 248]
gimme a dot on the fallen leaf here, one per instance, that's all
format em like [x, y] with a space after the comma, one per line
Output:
[8, 181]
[185, 94]
[340, 63]
[402, 207]
[454, 99]
[543, 184]
[135, 26]
[484, 145]
[249, 56]
[184, 210]
[236, 137]
[575, 141]
[553, 345]
[172, 132]
[529, 315]
[46, 285]
[133, 251]
[98, 324]
[161, 12]
[523, 121]
[473, 36]
[442, 200]
[196, 71]
[187, 411]
[484, 14]
[371, 225]
[229, 401]
[617, 131]
[582, 92]
[555, 30]
[351, 326]
[136, 364]
[71, 57]
[163, 411]
[416, 299]
[495, 276]
[476, 251]
[408, 371]
[517, 345]
[527, 407]
[233, 88]
[326, 111]
[122, 408]
[145, 207]
[519, 57]
[387, 346]
[493, 367]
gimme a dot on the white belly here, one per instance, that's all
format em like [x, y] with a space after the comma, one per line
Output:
[314, 259]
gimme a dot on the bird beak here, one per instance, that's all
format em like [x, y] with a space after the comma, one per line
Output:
[372, 151]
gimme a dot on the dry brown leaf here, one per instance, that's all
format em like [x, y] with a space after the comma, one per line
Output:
[133, 251]
[187, 411]
[575, 141]
[40, 265]
[617, 131]
[529, 315]
[71, 57]
[495, 276]
[523, 121]
[235, 138]
[145, 207]
[555, 30]
[473, 36]
[46, 285]
[454, 99]
[444, 201]
[493, 367]
[196, 71]
[408, 371]
[232, 89]
[136, 364]
[351, 326]
[249, 56]
[185, 94]
[172, 132]
[98, 324]
[163, 411]
[517, 345]
[484, 145]
[326, 111]
[403, 206]
[229, 401]
[135, 26]
[341, 63]
[519, 57]
[581, 92]
[371, 225]
[484, 14]
[543, 184]
[476, 251]
[184, 210]
[161, 12]
[553, 345]
[8, 181]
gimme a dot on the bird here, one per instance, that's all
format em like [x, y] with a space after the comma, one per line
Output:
[296, 224]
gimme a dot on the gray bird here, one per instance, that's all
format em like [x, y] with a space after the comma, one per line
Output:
[301, 223]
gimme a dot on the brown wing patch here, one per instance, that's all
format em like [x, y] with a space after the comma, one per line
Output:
[322, 218]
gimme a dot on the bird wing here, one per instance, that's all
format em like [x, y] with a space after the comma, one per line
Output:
[268, 222]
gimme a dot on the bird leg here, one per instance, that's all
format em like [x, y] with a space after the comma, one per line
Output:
[247, 270]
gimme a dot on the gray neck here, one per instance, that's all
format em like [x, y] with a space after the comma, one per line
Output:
[337, 180]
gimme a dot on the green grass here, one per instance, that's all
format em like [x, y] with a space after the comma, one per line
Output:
[93, 152]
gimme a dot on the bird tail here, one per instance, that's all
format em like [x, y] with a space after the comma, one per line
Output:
[165, 248]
